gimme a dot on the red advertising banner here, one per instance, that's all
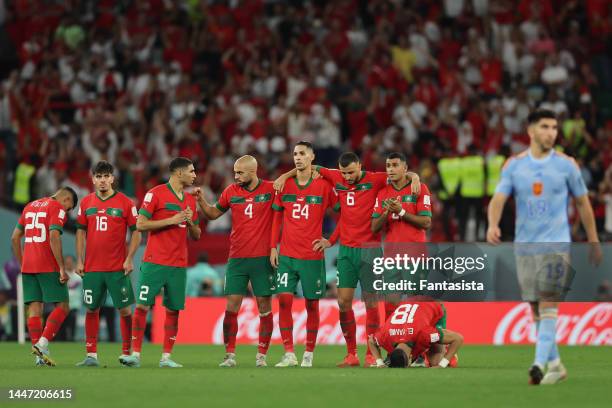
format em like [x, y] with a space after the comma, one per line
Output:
[480, 323]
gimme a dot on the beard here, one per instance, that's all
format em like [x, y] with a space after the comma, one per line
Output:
[244, 183]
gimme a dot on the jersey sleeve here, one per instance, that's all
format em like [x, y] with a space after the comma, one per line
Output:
[131, 215]
[57, 218]
[378, 209]
[505, 182]
[81, 221]
[424, 339]
[149, 205]
[331, 175]
[332, 197]
[575, 180]
[424, 202]
[380, 178]
[277, 205]
[223, 203]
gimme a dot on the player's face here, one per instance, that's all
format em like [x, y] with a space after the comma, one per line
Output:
[351, 173]
[302, 157]
[242, 177]
[103, 182]
[396, 169]
[544, 133]
[67, 202]
[187, 175]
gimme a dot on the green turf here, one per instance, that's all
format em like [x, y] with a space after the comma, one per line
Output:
[489, 376]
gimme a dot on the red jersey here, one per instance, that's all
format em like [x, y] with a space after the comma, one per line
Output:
[397, 230]
[167, 246]
[413, 323]
[356, 202]
[251, 218]
[37, 220]
[106, 222]
[304, 209]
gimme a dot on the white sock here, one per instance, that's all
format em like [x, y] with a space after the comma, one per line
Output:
[308, 353]
[94, 355]
[165, 356]
[136, 354]
[43, 342]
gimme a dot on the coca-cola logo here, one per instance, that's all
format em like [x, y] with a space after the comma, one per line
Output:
[591, 327]
[329, 325]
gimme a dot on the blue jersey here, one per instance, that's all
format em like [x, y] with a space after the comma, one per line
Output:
[541, 189]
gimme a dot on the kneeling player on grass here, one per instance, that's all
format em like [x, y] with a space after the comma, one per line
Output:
[413, 329]
[42, 266]
[250, 200]
[169, 213]
[103, 220]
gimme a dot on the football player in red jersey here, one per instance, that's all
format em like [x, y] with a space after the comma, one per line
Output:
[103, 260]
[42, 266]
[170, 215]
[414, 328]
[300, 207]
[250, 200]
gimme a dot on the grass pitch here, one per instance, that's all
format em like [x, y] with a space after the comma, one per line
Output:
[488, 376]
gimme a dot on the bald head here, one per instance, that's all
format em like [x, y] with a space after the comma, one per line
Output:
[245, 171]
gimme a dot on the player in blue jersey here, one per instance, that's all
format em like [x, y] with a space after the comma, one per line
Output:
[541, 180]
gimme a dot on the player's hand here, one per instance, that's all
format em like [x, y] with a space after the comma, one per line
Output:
[279, 183]
[595, 254]
[379, 364]
[188, 215]
[63, 276]
[177, 218]
[416, 184]
[394, 206]
[197, 193]
[128, 267]
[493, 235]
[274, 257]
[320, 245]
[80, 269]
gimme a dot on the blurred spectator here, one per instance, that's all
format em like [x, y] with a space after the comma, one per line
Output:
[202, 279]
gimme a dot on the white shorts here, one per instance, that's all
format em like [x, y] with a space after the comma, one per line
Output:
[544, 276]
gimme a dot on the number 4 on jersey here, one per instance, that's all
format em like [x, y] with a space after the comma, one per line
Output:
[249, 210]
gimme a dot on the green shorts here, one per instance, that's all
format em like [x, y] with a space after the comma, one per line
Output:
[242, 270]
[154, 277]
[355, 265]
[43, 287]
[96, 284]
[311, 273]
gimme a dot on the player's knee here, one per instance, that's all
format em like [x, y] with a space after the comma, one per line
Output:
[35, 309]
[64, 306]
[264, 304]
[143, 307]
[345, 304]
[125, 311]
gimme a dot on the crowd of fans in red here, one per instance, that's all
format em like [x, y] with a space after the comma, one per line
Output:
[139, 82]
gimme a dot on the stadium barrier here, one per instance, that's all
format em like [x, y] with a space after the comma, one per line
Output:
[586, 323]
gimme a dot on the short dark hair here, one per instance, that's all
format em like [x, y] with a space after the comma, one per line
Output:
[398, 358]
[397, 155]
[539, 114]
[103, 167]
[179, 163]
[75, 197]
[306, 144]
[347, 158]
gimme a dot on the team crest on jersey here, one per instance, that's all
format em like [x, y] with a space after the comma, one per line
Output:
[537, 188]
[134, 211]
[426, 200]
[62, 214]
[148, 197]
[434, 337]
